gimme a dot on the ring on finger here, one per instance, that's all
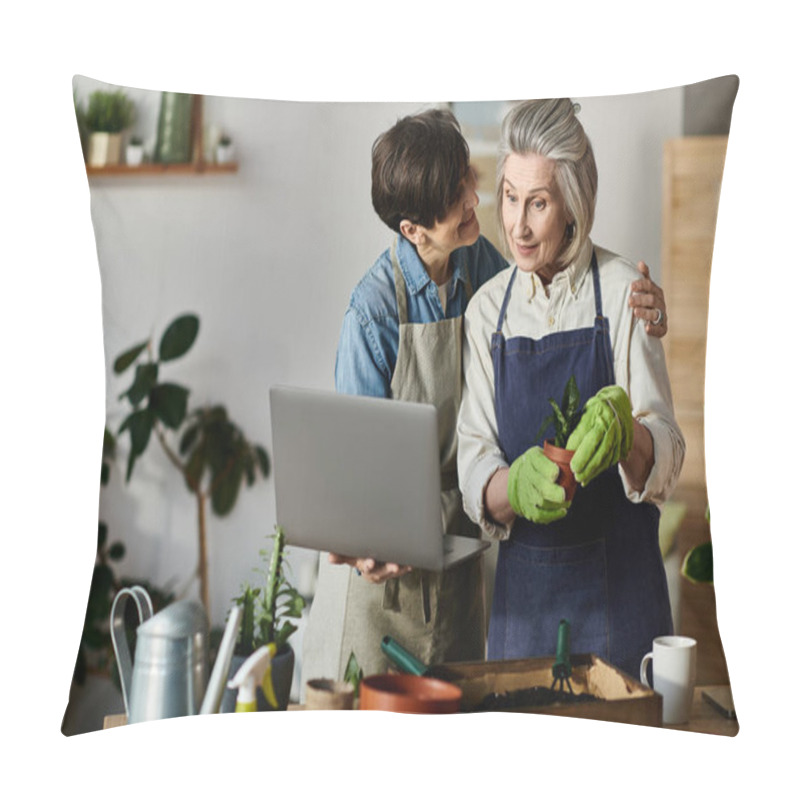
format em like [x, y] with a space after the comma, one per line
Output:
[659, 318]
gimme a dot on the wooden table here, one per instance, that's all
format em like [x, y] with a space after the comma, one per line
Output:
[705, 718]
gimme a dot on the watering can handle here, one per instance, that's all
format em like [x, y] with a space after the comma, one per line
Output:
[144, 606]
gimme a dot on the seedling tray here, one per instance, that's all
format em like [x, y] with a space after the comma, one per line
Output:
[605, 692]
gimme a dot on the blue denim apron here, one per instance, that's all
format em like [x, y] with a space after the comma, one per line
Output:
[600, 567]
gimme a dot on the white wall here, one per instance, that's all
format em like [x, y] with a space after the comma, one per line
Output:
[267, 258]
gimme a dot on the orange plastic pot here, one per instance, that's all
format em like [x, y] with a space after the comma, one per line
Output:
[562, 457]
[409, 694]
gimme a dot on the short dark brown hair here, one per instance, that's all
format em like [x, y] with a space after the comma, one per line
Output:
[417, 168]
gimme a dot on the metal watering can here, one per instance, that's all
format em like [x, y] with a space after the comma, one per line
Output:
[170, 673]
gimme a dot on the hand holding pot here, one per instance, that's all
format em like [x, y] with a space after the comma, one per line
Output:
[533, 490]
[604, 434]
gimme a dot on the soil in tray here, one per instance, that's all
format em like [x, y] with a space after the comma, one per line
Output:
[535, 696]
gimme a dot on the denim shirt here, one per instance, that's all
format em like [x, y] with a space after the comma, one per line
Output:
[369, 341]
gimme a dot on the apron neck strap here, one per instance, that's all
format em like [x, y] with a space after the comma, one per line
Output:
[503, 307]
[467, 284]
[598, 299]
[399, 286]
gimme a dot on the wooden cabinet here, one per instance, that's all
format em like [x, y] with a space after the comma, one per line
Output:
[692, 180]
[692, 173]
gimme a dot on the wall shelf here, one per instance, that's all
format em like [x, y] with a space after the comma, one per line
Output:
[198, 168]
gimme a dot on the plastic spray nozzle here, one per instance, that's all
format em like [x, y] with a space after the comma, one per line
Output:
[257, 669]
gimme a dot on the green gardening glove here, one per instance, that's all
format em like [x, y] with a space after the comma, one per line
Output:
[604, 434]
[532, 488]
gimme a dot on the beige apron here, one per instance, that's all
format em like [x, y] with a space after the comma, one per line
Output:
[438, 616]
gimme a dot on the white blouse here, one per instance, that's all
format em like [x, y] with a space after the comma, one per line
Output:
[536, 311]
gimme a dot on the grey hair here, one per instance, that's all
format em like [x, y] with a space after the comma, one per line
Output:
[551, 129]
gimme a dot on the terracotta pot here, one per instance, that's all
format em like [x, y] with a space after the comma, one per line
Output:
[562, 457]
[409, 694]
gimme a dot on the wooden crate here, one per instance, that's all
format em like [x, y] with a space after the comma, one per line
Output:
[622, 699]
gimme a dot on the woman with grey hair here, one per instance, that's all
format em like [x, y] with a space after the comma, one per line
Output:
[560, 311]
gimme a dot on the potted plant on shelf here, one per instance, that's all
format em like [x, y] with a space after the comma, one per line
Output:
[209, 450]
[134, 152]
[267, 612]
[225, 150]
[107, 115]
[564, 420]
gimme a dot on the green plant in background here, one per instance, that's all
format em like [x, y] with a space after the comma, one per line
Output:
[267, 612]
[80, 117]
[353, 674]
[108, 112]
[95, 649]
[698, 563]
[204, 445]
[565, 417]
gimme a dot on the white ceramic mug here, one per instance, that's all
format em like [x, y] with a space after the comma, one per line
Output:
[674, 667]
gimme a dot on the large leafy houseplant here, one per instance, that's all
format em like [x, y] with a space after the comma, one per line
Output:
[209, 450]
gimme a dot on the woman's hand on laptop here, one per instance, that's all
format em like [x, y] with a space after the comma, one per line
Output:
[370, 569]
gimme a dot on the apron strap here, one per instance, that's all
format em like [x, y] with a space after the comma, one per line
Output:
[505, 301]
[598, 299]
[467, 285]
[399, 287]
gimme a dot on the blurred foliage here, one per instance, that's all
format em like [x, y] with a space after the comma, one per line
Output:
[95, 652]
[209, 450]
[107, 112]
[267, 611]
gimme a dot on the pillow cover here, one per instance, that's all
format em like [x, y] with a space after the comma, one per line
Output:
[208, 210]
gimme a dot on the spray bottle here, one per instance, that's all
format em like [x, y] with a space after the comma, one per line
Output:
[257, 669]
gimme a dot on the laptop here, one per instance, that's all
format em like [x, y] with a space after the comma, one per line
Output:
[359, 476]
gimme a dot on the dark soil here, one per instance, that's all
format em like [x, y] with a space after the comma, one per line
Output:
[535, 696]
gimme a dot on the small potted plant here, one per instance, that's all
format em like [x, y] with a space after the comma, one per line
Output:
[266, 619]
[225, 150]
[134, 152]
[107, 115]
[564, 420]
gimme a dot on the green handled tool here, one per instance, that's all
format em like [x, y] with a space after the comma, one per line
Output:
[401, 657]
[562, 668]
